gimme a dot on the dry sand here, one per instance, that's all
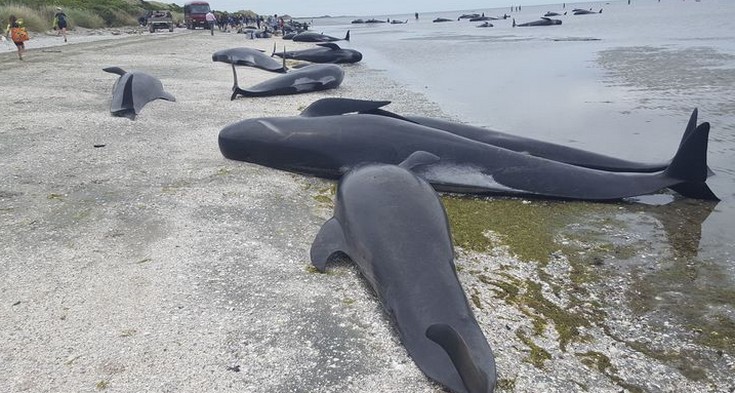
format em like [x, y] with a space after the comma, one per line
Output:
[153, 264]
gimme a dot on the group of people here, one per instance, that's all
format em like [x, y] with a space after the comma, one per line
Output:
[16, 30]
[238, 23]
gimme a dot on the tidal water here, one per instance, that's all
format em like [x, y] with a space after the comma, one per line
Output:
[623, 82]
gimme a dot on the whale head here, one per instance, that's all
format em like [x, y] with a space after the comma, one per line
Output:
[272, 142]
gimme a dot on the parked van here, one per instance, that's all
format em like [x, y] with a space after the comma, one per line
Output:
[194, 14]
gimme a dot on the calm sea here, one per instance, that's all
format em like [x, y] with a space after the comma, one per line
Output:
[622, 82]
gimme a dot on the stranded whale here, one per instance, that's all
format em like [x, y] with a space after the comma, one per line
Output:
[309, 36]
[328, 146]
[327, 52]
[132, 90]
[552, 151]
[544, 21]
[394, 228]
[310, 78]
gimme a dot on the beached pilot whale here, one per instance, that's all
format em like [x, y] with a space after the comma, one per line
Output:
[328, 146]
[309, 36]
[327, 52]
[313, 77]
[586, 12]
[534, 147]
[248, 57]
[544, 21]
[132, 90]
[394, 228]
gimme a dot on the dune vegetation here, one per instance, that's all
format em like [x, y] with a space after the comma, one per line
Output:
[38, 15]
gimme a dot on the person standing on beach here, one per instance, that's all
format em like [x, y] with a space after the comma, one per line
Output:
[210, 21]
[18, 34]
[60, 22]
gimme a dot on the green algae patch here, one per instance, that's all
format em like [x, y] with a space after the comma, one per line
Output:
[600, 362]
[538, 355]
[597, 360]
[527, 228]
[506, 384]
[527, 296]
[325, 196]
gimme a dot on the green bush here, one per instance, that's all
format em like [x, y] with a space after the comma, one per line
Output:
[84, 18]
[32, 19]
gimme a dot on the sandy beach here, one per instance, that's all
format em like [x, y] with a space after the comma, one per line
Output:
[135, 258]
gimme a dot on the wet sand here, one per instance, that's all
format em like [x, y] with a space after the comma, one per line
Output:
[151, 263]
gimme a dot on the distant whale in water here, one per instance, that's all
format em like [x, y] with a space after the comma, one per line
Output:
[317, 37]
[544, 21]
[132, 90]
[328, 146]
[394, 228]
[437, 20]
[327, 52]
[314, 77]
[585, 12]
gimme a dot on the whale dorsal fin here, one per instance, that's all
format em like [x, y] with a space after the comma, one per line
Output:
[328, 241]
[418, 158]
[340, 106]
[330, 45]
[474, 379]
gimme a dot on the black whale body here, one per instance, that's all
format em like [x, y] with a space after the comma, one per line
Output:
[309, 36]
[534, 147]
[329, 146]
[378, 207]
[313, 77]
[248, 57]
[544, 21]
[327, 52]
[133, 90]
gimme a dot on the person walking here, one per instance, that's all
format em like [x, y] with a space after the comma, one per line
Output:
[60, 22]
[18, 34]
[210, 21]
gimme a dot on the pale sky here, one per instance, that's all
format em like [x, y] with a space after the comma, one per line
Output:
[359, 7]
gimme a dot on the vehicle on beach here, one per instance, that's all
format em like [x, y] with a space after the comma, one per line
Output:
[195, 14]
[160, 20]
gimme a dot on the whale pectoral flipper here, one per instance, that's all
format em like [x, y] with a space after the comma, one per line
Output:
[167, 96]
[329, 240]
[115, 70]
[330, 45]
[418, 158]
[474, 379]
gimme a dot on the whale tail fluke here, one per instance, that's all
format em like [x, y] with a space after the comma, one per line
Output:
[474, 378]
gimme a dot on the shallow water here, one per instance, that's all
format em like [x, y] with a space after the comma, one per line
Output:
[622, 82]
